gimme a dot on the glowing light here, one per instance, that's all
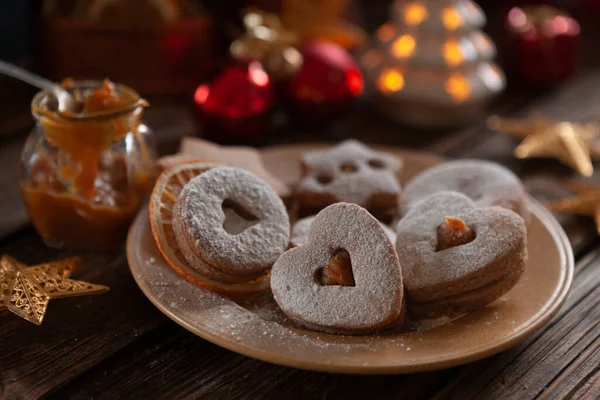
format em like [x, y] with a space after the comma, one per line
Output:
[390, 80]
[354, 81]
[452, 19]
[201, 94]
[482, 43]
[517, 18]
[559, 25]
[385, 33]
[371, 59]
[490, 76]
[404, 46]
[452, 53]
[415, 13]
[292, 56]
[253, 19]
[472, 8]
[258, 75]
[458, 87]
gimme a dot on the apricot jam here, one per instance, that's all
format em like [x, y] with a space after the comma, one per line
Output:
[84, 176]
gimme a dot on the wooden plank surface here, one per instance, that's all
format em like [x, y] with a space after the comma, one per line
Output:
[218, 371]
[76, 333]
[138, 352]
[117, 345]
[523, 371]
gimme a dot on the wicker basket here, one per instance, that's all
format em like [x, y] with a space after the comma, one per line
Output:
[166, 58]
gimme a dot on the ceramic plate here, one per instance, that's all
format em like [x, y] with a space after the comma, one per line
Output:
[256, 327]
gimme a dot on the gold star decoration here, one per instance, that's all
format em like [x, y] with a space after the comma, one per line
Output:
[26, 291]
[322, 19]
[570, 143]
[586, 201]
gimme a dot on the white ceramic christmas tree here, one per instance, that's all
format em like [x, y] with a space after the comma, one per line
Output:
[431, 65]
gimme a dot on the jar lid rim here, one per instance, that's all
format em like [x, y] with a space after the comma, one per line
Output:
[136, 104]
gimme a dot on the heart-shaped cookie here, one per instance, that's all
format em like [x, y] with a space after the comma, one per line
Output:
[347, 278]
[301, 227]
[457, 257]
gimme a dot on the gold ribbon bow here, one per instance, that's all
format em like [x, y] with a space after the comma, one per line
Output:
[266, 40]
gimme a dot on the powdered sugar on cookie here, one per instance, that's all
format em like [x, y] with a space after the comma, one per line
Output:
[301, 227]
[376, 299]
[242, 249]
[300, 230]
[350, 172]
[498, 247]
[485, 182]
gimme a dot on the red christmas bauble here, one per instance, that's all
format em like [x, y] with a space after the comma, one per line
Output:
[592, 6]
[236, 106]
[543, 44]
[327, 82]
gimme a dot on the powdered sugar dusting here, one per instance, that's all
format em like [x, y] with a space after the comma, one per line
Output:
[301, 227]
[374, 302]
[485, 182]
[243, 157]
[199, 220]
[499, 233]
[357, 173]
[300, 230]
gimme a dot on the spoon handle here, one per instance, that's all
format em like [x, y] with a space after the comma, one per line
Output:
[26, 76]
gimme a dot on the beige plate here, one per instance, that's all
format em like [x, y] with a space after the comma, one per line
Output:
[256, 327]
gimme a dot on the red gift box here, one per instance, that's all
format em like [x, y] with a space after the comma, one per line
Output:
[543, 44]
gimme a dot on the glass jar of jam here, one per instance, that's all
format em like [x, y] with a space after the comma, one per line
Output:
[85, 175]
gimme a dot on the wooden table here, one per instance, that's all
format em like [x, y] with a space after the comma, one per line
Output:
[117, 345]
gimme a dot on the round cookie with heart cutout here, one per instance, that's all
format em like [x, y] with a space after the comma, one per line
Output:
[230, 225]
[345, 279]
[485, 182]
[458, 257]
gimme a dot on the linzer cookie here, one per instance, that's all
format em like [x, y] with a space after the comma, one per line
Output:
[230, 225]
[349, 172]
[345, 279]
[486, 183]
[301, 227]
[457, 257]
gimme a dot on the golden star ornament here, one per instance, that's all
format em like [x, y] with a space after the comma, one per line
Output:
[26, 291]
[570, 143]
[585, 201]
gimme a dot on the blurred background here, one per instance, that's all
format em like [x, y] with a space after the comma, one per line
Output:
[166, 49]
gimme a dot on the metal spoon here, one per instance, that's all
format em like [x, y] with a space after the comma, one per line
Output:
[66, 102]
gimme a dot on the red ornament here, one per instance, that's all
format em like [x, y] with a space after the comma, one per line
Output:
[591, 6]
[236, 107]
[327, 82]
[543, 44]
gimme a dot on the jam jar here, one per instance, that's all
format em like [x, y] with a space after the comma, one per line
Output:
[84, 175]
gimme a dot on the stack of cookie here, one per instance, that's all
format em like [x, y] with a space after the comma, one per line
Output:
[459, 240]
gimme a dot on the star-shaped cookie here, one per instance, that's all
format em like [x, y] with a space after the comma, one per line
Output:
[350, 172]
